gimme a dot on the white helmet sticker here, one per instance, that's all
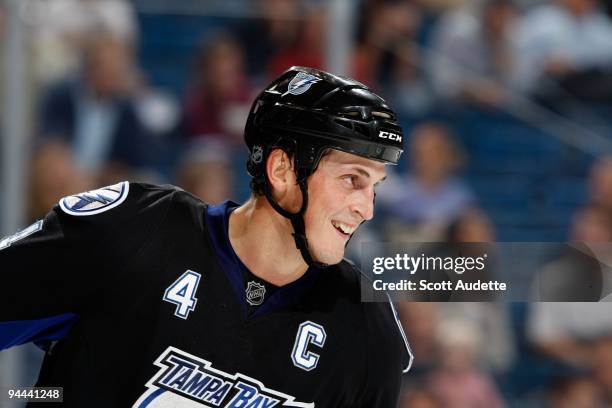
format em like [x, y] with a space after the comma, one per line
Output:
[95, 201]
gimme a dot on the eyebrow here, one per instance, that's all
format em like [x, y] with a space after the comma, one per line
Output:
[367, 175]
[380, 181]
[362, 172]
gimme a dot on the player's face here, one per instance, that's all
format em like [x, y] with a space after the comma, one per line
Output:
[341, 197]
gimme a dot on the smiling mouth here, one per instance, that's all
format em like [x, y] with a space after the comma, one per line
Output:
[344, 229]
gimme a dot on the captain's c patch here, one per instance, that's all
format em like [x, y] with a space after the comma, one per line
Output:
[95, 201]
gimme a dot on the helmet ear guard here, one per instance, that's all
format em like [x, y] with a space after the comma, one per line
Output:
[305, 112]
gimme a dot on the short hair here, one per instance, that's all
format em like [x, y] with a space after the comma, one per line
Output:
[258, 184]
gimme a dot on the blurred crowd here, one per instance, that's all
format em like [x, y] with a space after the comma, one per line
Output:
[98, 117]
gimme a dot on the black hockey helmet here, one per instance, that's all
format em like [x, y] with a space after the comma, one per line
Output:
[310, 111]
[307, 111]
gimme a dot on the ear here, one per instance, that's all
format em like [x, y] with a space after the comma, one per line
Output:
[279, 168]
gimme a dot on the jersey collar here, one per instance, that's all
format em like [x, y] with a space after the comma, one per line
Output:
[217, 219]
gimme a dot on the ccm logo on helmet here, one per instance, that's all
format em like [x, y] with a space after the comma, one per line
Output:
[389, 135]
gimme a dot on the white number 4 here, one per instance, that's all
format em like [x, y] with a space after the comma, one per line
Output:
[182, 293]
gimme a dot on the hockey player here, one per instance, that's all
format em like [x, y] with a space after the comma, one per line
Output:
[144, 296]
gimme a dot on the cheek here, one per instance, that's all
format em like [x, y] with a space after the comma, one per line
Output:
[317, 213]
[316, 218]
[324, 204]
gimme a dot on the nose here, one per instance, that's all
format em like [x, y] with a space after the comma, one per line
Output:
[364, 204]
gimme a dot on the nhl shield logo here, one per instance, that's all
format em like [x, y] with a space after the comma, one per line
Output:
[301, 83]
[257, 154]
[255, 293]
[96, 201]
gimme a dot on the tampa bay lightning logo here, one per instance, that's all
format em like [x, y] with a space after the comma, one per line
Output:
[301, 83]
[96, 201]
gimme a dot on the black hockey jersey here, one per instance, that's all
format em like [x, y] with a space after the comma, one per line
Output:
[142, 302]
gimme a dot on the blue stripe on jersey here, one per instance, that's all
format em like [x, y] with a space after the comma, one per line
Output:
[53, 328]
[151, 397]
[217, 220]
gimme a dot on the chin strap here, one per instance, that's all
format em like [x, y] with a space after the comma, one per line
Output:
[297, 221]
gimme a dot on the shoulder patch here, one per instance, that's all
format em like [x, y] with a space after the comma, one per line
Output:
[95, 201]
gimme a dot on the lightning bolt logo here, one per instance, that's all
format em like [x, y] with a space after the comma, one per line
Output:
[301, 83]
[96, 201]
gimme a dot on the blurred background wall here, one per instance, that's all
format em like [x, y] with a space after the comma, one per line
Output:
[506, 106]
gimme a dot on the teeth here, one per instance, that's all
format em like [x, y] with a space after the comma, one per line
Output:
[347, 229]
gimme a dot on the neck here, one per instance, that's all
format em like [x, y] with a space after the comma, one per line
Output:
[262, 240]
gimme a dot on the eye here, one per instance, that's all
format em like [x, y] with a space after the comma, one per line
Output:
[352, 180]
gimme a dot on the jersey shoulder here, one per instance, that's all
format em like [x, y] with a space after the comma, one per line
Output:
[185, 200]
[116, 199]
[118, 210]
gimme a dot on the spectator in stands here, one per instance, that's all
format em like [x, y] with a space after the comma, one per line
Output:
[474, 227]
[53, 175]
[419, 397]
[95, 115]
[470, 57]
[602, 369]
[205, 171]
[422, 204]
[308, 49]
[386, 26]
[492, 321]
[458, 382]
[559, 39]
[577, 275]
[420, 320]
[219, 99]
[579, 391]
[276, 29]
[567, 331]
[600, 183]
[60, 26]
[407, 89]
